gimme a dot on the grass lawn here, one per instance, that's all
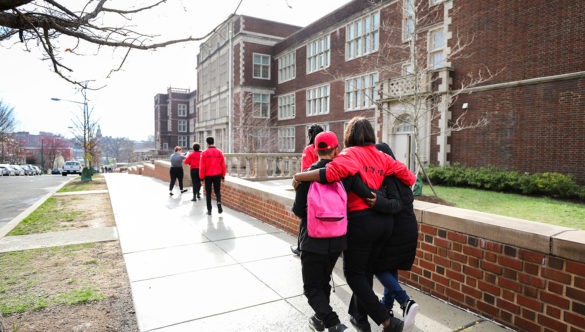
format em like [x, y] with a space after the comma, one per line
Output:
[539, 209]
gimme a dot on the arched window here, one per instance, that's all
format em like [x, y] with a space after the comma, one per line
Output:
[403, 124]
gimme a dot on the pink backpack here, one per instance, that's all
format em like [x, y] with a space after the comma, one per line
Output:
[326, 210]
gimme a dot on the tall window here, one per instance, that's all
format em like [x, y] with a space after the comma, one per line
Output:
[192, 125]
[261, 66]
[360, 92]
[182, 126]
[183, 141]
[169, 125]
[363, 36]
[437, 48]
[182, 109]
[286, 139]
[286, 107]
[287, 66]
[260, 136]
[318, 54]
[261, 105]
[318, 100]
[408, 19]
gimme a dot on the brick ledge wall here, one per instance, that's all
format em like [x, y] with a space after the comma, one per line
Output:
[526, 275]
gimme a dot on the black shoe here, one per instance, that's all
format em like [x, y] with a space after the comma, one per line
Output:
[396, 325]
[360, 326]
[208, 212]
[336, 328]
[295, 250]
[170, 193]
[219, 208]
[183, 191]
[194, 199]
[316, 324]
[199, 195]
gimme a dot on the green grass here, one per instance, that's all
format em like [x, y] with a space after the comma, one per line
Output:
[539, 209]
[78, 185]
[45, 219]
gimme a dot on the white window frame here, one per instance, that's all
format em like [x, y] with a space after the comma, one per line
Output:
[286, 106]
[286, 139]
[325, 127]
[182, 126]
[169, 125]
[360, 92]
[407, 69]
[408, 20]
[182, 110]
[362, 36]
[436, 50]
[261, 105]
[262, 64]
[318, 100]
[318, 53]
[287, 67]
[435, 2]
[183, 140]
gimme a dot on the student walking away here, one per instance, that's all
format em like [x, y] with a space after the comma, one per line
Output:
[177, 170]
[367, 229]
[193, 160]
[212, 172]
[321, 243]
[309, 158]
[398, 251]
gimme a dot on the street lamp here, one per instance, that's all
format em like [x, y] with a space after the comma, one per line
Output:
[85, 124]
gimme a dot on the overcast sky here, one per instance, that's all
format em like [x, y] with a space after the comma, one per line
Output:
[125, 107]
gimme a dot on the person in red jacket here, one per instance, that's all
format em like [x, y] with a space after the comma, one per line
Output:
[193, 160]
[367, 229]
[212, 171]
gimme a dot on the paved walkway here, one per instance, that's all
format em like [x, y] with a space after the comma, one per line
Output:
[229, 272]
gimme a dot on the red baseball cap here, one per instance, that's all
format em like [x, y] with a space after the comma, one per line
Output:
[326, 140]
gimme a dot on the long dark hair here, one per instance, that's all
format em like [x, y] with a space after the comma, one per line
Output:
[313, 131]
[359, 132]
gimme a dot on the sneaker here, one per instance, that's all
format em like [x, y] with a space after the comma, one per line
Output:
[183, 191]
[170, 193]
[316, 324]
[199, 195]
[396, 325]
[338, 327]
[409, 312]
[360, 326]
[219, 208]
[194, 199]
[295, 250]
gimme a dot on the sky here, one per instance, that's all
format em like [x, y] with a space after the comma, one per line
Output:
[125, 106]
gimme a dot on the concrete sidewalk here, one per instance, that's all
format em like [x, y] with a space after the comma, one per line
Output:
[229, 272]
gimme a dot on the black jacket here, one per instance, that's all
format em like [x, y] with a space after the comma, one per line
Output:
[399, 250]
[299, 208]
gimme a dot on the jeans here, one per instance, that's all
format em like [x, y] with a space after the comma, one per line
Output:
[176, 175]
[214, 181]
[196, 181]
[392, 289]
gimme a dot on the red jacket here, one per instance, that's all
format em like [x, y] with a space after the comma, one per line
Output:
[193, 159]
[372, 165]
[212, 163]
[309, 157]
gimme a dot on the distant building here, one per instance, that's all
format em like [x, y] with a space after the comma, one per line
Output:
[262, 83]
[174, 119]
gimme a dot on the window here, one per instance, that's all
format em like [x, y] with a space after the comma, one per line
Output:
[325, 127]
[435, 2]
[286, 107]
[169, 125]
[360, 92]
[287, 67]
[183, 141]
[408, 20]
[260, 136]
[182, 126]
[362, 36]
[407, 69]
[261, 105]
[318, 52]
[182, 109]
[192, 125]
[261, 66]
[318, 100]
[436, 48]
[286, 139]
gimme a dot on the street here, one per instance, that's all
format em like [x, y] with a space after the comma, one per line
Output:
[18, 193]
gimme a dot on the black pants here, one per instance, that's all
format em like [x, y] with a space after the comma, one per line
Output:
[316, 270]
[196, 181]
[216, 182]
[365, 238]
[176, 174]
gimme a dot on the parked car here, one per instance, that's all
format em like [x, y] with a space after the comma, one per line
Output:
[5, 170]
[56, 170]
[71, 167]
[18, 170]
[28, 170]
[38, 170]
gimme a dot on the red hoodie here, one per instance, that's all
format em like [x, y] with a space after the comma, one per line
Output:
[212, 163]
[309, 157]
[193, 159]
[372, 165]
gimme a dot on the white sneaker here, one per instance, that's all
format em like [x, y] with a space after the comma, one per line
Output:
[409, 313]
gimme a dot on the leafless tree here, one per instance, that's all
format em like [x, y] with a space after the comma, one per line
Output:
[51, 148]
[44, 23]
[7, 124]
[119, 148]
